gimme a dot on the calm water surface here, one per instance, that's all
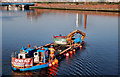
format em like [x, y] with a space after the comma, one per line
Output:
[37, 27]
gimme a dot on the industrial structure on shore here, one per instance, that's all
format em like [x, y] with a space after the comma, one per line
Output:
[59, 0]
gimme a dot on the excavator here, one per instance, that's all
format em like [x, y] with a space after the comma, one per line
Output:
[65, 43]
[72, 34]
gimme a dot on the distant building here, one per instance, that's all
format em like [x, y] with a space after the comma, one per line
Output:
[60, 0]
[112, 1]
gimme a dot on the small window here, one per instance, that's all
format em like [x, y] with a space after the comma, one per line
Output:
[35, 53]
[20, 57]
[27, 56]
[40, 54]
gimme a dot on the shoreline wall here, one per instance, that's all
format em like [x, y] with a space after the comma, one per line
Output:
[99, 7]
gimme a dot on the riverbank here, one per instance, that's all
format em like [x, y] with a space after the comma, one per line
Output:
[81, 7]
[38, 12]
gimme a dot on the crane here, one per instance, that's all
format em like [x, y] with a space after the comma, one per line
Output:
[70, 35]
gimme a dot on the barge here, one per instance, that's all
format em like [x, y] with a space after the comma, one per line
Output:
[28, 59]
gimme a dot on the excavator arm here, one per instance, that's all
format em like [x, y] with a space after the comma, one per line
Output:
[68, 39]
[70, 35]
[76, 31]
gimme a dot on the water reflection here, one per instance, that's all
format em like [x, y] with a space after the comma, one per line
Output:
[43, 72]
[96, 59]
[79, 20]
[38, 12]
[13, 8]
[81, 16]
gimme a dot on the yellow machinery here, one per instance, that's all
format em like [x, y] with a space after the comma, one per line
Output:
[70, 35]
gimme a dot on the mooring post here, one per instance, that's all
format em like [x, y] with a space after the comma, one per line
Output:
[23, 6]
[22, 9]
[9, 6]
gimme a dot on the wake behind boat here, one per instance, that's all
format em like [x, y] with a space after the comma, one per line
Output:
[48, 55]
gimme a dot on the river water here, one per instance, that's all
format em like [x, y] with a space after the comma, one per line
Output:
[36, 27]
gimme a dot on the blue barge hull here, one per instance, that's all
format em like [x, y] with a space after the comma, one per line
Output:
[31, 68]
